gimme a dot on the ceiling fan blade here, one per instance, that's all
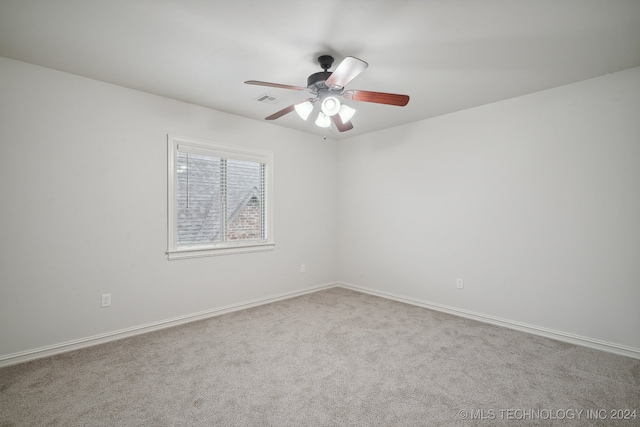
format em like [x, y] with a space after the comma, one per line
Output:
[281, 113]
[278, 85]
[348, 69]
[377, 97]
[342, 127]
[287, 110]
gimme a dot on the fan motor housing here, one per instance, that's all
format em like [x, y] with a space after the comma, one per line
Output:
[316, 83]
[318, 79]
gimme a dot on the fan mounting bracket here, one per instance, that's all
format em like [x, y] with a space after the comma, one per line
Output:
[325, 61]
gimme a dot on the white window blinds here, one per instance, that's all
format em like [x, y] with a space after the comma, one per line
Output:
[220, 198]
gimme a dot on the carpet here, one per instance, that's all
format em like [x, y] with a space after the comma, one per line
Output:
[330, 358]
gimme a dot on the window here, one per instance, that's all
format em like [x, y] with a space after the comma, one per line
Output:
[219, 199]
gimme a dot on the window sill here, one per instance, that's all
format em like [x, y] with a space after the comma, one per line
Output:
[198, 252]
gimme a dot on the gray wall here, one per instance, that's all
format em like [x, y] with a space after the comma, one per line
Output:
[83, 186]
[534, 202]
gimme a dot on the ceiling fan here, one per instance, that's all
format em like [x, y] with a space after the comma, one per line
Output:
[326, 87]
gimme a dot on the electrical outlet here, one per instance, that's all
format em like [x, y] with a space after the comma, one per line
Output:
[459, 283]
[106, 300]
[303, 268]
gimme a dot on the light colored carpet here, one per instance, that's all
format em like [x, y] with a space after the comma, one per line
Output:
[330, 358]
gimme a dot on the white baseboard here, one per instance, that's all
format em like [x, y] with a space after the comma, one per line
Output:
[24, 356]
[532, 329]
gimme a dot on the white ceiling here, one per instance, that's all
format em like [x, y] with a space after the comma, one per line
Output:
[448, 55]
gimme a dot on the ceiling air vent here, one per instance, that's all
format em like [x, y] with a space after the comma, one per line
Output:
[267, 99]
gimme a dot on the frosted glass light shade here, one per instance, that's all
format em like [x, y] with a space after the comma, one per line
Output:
[346, 113]
[323, 120]
[304, 109]
[330, 106]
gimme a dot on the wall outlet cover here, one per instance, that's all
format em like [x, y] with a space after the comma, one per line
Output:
[106, 300]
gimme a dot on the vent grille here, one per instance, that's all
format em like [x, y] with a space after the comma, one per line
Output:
[267, 99]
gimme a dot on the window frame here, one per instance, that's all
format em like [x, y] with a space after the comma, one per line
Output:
[220, 150]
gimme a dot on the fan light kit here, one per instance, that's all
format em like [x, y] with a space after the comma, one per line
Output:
[327, 87]
[346, 113]
[323, 120]
[304, 109]
[330, 106]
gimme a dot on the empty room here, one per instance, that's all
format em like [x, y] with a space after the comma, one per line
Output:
[337, 213]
